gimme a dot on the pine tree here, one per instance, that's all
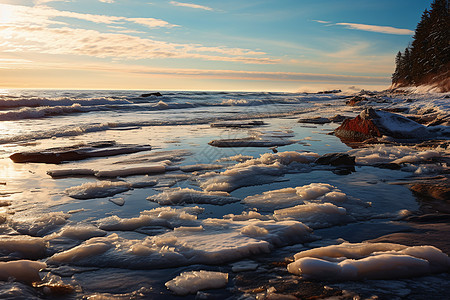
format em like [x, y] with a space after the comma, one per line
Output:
[428, 57]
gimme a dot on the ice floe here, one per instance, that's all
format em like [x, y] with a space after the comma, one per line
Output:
[257, 139]
[26, 271]
[77, 152]
[99, 189]
[369, 261]
[317, 205]
[194, 281]
[210, 241]
[162, 216]
[179, 196]
[78, 232]
[23, 246]
[256, 171]
[38, 225]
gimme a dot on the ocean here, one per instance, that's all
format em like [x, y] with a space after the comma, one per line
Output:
[112, 195]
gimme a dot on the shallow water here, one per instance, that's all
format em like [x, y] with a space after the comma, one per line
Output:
[179, 127]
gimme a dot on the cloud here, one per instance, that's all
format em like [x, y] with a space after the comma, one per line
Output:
[376, 28]
[43, 15]
[371, 28]
[107, 1]
[190, 5]
[322, 22]
[33, 29]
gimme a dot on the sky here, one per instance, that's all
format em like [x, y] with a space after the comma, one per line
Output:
[227, 45]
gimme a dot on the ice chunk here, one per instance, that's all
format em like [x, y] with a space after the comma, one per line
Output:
[39, 226]
[391, 154]
[155, 169]
[192, 282]
[271, 200]
[80, 232]
[78, 152]
[178, 196]
[244, 216]
[311, 193]
[90, 248]
[256, 171]
[216, 241]
[99, 189]
[354, 251]
[369, 261]
[21, 270]
[23, 246]
[315, 215]
[70, 172]
[162, 216]
[118, 201]
[239, 158]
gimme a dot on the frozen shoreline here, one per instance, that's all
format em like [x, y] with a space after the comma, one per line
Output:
[209, 206]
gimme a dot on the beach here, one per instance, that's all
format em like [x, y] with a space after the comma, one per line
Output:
[116, 195]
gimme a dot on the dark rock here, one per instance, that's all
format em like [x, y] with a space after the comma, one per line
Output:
[355, 101]
[157, 94]
[238, 124]
[395, 109]
[389, 166]
[336, 159]
[371, 123]
[77, 152]
[329, 92]
[343, 171]
[339, 118]
[316, 120]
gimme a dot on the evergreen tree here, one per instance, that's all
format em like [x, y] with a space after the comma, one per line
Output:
[428, 56]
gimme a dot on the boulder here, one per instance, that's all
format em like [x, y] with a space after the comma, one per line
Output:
[375, 123]
[336, 159]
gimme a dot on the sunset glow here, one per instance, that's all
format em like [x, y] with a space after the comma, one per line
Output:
[174, 45]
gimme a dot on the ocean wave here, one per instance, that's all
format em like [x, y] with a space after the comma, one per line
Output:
[41, 112]
[89, 128]
[14, 102]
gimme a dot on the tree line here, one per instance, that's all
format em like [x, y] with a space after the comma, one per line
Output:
[427, 59]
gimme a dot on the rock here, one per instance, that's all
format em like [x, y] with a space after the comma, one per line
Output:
[329, 92]
[316, 120]
[77, 152]
[237, 124]
[336, 159]
[157, 94]
[437, 190]
[355, 101]
[339, 118]
[375, 123]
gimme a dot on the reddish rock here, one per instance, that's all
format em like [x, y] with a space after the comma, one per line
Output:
[372, 124]
[357, 129]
